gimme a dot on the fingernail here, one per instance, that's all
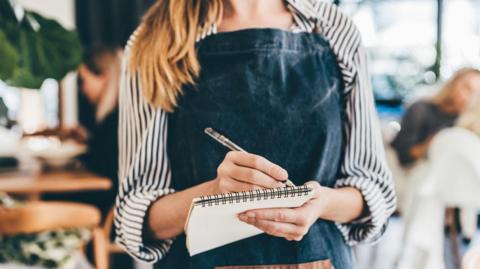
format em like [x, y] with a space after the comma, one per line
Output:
[242, 217]
[250, 214]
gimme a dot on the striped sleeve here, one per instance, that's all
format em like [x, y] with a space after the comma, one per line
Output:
[364, 165]
[143, 168]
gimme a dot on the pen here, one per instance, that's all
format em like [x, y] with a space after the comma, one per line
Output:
[232, 146]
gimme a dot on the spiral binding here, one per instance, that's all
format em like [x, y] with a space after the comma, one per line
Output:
[263, 194]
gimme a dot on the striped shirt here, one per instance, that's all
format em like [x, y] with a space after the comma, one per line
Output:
[144, 168]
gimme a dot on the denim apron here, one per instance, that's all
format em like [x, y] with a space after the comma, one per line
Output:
[276, 94]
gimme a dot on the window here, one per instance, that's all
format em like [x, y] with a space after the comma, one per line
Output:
[400, 36]
[461, 37]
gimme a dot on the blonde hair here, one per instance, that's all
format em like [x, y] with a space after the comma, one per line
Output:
[106, 62]
[447, 92]
[163, 53]
[108, 102]
[470, 119]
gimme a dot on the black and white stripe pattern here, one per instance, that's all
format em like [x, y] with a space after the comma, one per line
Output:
[144, 169]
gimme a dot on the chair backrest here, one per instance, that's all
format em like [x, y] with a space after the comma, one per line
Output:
[34, 217]
[471, 260]
[454, 167]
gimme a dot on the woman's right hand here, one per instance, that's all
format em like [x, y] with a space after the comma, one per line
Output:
[241, 171]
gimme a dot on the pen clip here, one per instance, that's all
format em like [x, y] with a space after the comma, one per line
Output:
[222, 139]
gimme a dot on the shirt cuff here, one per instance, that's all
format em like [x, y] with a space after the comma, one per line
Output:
[130, 215]
[371, 227]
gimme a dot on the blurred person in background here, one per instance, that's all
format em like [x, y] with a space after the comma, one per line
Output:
[422, 121]
[98, 79]
[452, 180]
[425, 118]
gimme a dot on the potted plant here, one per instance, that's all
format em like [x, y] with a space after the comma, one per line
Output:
[33, 48]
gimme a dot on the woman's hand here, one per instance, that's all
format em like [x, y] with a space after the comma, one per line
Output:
[77, 133]
[420, 150]
[241, 171]
[290, 223]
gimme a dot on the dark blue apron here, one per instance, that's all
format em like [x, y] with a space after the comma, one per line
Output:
[276, 94]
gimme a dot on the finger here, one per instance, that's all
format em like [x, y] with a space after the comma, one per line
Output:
[286, 215]
[279, 229]
[259, 163]
[232, 185]
[247, 175]
[313, 184]
[255, 177]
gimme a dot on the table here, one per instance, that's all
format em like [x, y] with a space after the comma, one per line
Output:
[52, 182]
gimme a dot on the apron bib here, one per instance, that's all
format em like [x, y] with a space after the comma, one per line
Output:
[276, 94]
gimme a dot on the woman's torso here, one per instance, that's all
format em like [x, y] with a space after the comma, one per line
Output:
[278, 95]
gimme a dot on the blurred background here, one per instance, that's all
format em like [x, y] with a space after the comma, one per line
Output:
[59, 70]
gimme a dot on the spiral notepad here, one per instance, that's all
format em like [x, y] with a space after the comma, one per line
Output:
[213, 221]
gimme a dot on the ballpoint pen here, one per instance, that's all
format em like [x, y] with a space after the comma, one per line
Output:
[232, 146]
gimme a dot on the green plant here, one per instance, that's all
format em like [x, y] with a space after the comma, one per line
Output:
[9, 57]
[34, 48]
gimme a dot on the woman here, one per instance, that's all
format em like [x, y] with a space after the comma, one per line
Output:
[98, 78]
[427, 117]
[98, 110]
[287, 81]
[452, 180]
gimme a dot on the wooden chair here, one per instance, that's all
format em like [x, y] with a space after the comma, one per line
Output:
[107, 230]
[34, 217]
[103, 246]
[453, 235]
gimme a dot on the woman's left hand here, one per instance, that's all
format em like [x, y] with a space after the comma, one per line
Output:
[290, 223]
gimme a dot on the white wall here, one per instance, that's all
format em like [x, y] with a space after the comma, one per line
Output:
[61, 10]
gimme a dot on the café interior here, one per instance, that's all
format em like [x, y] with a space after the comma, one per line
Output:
[59, 84]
